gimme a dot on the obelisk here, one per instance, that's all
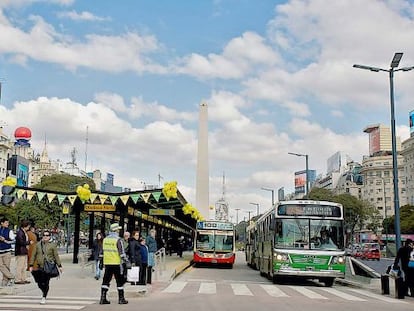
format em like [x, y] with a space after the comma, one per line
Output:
[202, 187]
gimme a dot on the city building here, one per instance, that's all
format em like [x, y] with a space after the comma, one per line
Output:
[377, 171]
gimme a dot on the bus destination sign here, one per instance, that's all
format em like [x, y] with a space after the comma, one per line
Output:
[309, 210]
[215, 225]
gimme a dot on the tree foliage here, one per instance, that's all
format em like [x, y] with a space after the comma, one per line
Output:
[358, 214]
[406, 220]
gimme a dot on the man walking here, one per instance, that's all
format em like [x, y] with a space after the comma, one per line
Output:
[6, 240]
[113, 255]
[21, 251]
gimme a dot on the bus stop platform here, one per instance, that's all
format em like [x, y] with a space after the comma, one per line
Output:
[78, 280]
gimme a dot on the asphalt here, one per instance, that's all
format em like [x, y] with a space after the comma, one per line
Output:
[78, 280]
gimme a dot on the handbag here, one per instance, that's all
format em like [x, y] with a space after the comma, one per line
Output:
[51, 268]
[133, 274]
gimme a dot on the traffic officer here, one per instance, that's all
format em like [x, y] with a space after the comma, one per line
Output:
[113, 257]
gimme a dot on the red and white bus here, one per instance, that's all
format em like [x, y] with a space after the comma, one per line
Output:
[214, 243]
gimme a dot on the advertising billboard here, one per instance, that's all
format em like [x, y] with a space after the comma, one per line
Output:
[300, 182]
[411, 119]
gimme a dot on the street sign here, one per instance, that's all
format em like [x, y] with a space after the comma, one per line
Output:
[99, 208]
[161, 212]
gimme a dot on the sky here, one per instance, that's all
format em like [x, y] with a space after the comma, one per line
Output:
[277, 77]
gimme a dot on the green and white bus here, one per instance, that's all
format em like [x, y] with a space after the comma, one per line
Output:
[300, 239]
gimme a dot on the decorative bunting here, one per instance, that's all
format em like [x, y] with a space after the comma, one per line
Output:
[40, 196]
[103, 198]
[113, 199]
[50, 197]
[72, 198]
[156, 195]
[61, 198]
[30, 194]
[93, 197]
[20, 193]
[146, 196]
[124, 198]
[135, 197]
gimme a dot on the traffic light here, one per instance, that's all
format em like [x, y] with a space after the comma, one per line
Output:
[7, 191]
[8, 197]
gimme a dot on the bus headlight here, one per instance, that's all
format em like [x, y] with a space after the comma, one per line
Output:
[281, 257]
[228, 255]
[200, 254]
[338, 260]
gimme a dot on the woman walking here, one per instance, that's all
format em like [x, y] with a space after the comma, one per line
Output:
[45, 250]
[135, 251]
[97, 252]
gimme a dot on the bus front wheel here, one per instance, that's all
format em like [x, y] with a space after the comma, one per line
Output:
[328, 281]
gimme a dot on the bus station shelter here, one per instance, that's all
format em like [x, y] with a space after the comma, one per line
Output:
[135, 210]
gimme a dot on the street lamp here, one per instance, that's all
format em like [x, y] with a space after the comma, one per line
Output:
[307, 171]
[237, 215]
[257, 205]
[394, 64]
[249, 212]
[273, 194]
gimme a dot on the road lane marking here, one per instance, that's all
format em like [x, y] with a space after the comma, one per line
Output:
[342, 294]
[175, 287]
[274, 291]
[375, 296]
[241, 290]
[207, 288]
[307, 292]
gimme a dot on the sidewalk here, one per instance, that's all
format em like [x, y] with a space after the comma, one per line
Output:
[78, 281]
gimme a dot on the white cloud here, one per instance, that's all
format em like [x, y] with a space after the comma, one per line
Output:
[240, 56]
[125, 52]
[83, 16]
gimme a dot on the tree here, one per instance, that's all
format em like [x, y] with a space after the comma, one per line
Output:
[406, 220]
[64, 183]
[357, 213]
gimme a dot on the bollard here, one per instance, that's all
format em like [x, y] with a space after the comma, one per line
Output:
[385, 284]
[400, 288]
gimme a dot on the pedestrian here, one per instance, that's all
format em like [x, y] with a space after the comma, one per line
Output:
[144, 262]
[125, 242]
[32, 235]
[180, 246]
[403, 256]
[113, 257]
[135, 251]
[152, 249]
[6, 240]
[21, 251]
[45, 250]
[97, 254]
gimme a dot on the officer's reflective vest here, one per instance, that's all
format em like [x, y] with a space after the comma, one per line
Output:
[110, 251]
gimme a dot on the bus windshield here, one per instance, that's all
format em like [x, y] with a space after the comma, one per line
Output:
[215, 241]
[314, 234]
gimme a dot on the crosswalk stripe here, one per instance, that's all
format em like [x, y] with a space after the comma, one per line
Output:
[60, 301]
[175, 287]
[207, 288]
[342, 294]
[273, 291]
[241, 290]
[375, 296]
[307, 292]
[42, 307]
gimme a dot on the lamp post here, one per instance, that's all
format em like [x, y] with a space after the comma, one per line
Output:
[307, 171]
[237, 215]
[249, 212]
[257, 205]
[394, 64]
[273, 194]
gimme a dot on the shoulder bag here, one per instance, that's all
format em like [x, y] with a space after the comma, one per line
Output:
[49, 267]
